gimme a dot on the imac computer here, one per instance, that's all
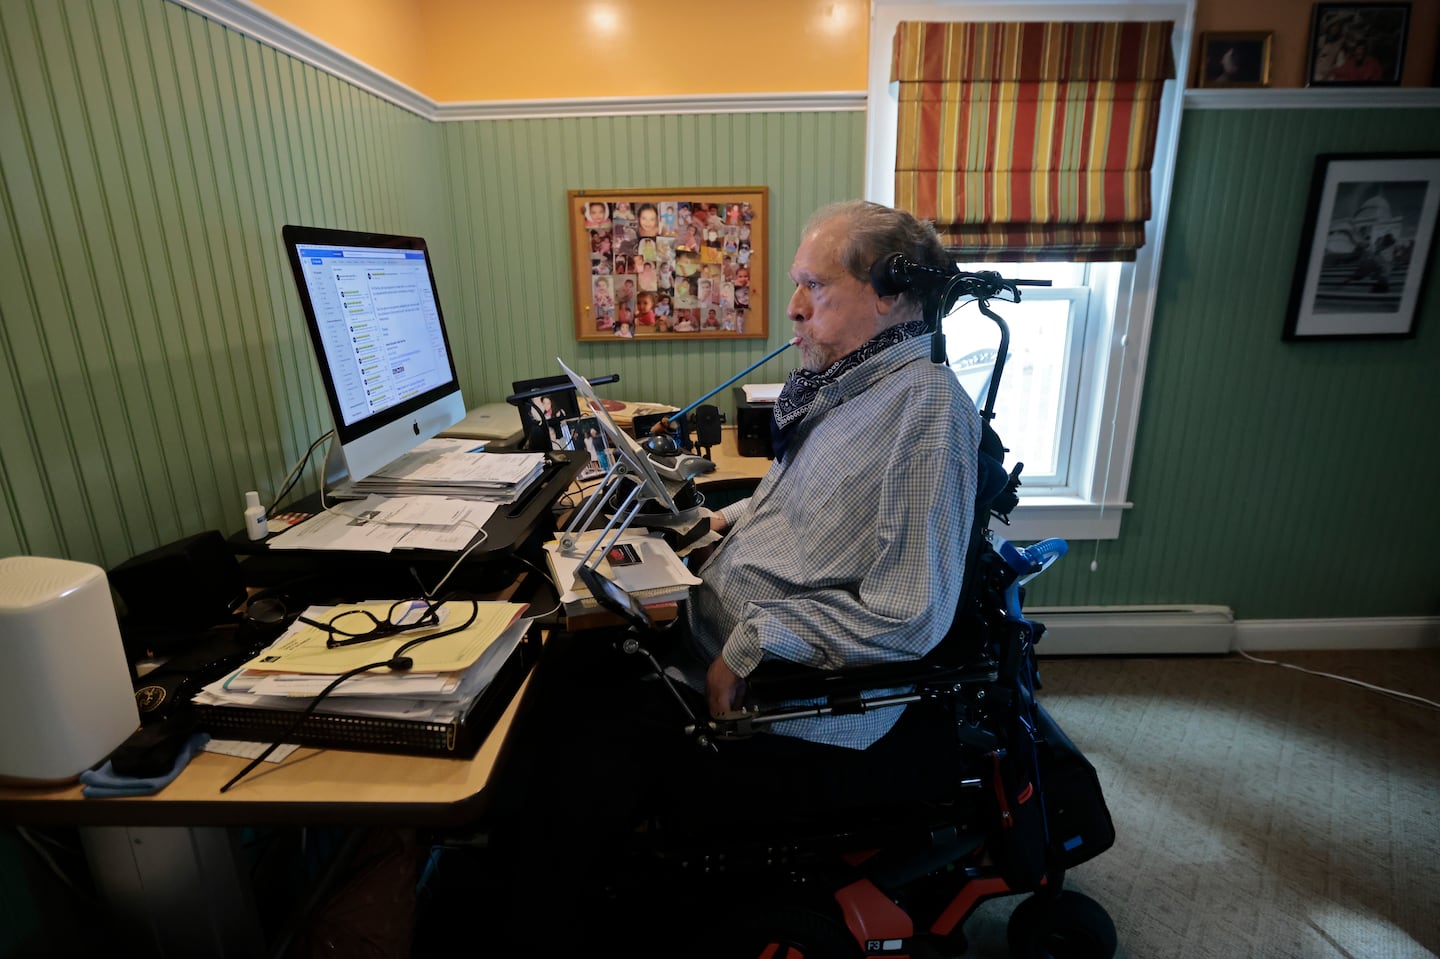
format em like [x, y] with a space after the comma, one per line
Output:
[380, 340]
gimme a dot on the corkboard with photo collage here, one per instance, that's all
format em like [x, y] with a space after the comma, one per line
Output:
[685, 263]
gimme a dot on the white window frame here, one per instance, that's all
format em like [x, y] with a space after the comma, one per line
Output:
[1106, 417]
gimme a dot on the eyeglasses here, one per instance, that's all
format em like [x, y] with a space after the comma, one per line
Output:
[362, 626]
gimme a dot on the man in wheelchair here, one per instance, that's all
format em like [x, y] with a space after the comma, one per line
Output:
[851, 553]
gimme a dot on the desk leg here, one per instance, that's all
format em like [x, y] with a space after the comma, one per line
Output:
[180, 889]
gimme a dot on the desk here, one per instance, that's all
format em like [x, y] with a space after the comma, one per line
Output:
[170, 868]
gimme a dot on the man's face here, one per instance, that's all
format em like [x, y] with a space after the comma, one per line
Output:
[833, 312]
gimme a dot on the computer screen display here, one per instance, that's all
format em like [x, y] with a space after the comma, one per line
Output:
[380, 340]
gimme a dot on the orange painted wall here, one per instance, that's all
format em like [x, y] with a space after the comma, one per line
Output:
[1290, 21]
[462, 50]
[384, 34]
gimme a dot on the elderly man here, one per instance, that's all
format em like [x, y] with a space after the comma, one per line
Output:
[850, 552]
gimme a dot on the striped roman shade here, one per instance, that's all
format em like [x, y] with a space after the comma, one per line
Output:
[1030, 141]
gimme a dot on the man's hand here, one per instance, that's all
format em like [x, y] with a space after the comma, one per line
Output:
[718, 523]
[724, 690]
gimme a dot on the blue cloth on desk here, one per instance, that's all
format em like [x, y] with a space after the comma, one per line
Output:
[105, 783]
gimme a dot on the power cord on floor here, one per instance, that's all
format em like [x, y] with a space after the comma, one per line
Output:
[1395, 693]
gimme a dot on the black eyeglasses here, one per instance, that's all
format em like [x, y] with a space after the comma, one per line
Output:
[362, 626]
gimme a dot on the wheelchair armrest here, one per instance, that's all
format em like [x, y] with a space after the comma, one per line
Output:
[778, 680]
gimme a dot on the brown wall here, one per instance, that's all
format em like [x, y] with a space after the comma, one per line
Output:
[1290, 21]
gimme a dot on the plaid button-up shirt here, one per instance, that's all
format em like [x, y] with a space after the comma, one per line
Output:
[851, 550]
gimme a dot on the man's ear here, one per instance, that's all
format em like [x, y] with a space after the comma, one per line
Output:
[884, 304]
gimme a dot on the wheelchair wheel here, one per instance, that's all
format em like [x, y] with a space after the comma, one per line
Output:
[1062, 925]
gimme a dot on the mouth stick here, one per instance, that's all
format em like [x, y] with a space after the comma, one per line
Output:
[666, 423]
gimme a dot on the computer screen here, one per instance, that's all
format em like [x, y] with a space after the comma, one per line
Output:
[379, 338]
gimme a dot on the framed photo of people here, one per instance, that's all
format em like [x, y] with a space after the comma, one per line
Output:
[666, 264]
[1357, 44]
[1368, 234]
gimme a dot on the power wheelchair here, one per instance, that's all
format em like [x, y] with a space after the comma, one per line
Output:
[902, 877]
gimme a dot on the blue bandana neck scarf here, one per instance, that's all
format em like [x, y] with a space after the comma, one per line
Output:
[802, 385]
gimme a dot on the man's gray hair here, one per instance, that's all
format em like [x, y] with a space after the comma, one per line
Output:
[875, 232]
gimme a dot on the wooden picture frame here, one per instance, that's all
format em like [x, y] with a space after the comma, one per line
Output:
[1357, 44]
[694, 259]
[1235, 59]
[1369, 228]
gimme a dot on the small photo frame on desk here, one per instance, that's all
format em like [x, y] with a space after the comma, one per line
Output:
[669, 264]
[552, 409]
[583, 433]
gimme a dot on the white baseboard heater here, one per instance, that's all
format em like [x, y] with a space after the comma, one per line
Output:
[1192, 630]
[1134, 630]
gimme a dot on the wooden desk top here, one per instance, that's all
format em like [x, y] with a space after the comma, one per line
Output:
[311, 786]
[316, 786]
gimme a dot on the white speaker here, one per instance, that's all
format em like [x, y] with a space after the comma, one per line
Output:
[66, 700]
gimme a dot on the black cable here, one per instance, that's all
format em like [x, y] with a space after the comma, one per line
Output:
[554, 587]
[296, 473]
[397, 661]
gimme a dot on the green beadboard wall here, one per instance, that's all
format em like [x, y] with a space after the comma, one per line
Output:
[157, 363]
[1284, 480]
[509, 181]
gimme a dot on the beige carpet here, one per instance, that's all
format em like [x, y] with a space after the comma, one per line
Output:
[1259, 811]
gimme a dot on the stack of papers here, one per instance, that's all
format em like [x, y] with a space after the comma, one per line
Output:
[762, 392]
[448, 675]
[641, 563]
[381, 524]
[456, 468]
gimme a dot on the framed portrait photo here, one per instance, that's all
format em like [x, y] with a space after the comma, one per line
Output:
[1357, 44]
[1235, 59]
[684, 263]
[1368, 231]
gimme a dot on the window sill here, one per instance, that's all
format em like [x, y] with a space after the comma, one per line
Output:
[1068, 517]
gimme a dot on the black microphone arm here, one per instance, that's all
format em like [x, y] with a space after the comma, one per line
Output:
[897, 273]
[981, 286]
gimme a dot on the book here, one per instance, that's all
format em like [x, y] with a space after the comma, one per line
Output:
[641, 562]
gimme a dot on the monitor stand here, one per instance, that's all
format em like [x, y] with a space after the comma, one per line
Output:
[511, 529]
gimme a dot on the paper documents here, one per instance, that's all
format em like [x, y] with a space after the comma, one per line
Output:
[420, 694]
[381, 524]
[302, 648]
[762, 392]
[458, 468]
[646, 567]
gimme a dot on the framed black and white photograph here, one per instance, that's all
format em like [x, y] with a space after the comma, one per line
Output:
[1364, 250]
[1357, 44]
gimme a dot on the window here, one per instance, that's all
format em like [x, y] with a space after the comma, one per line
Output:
[1070, 390]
